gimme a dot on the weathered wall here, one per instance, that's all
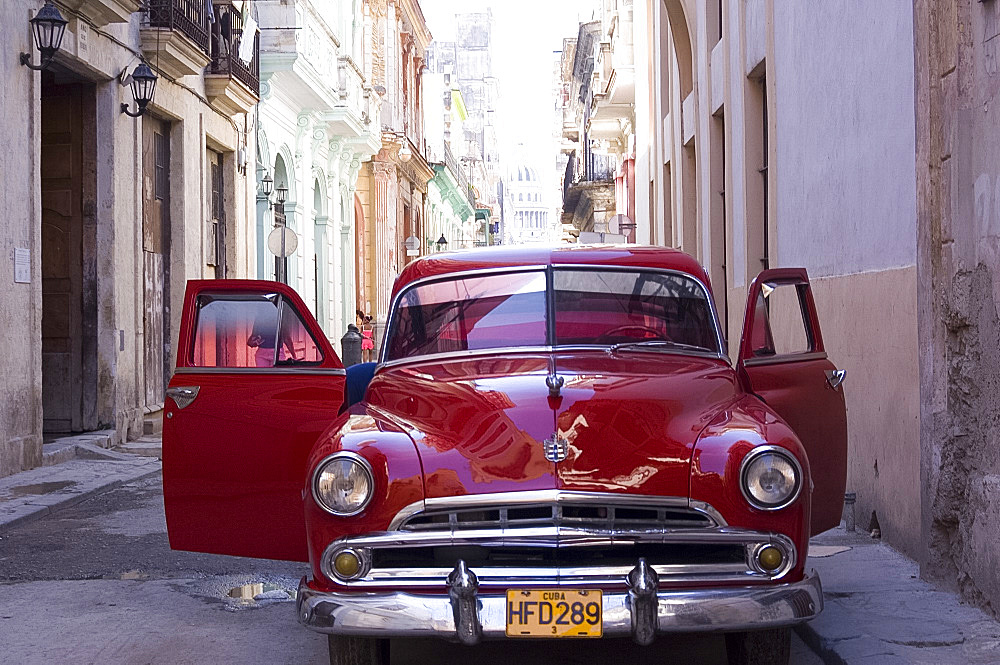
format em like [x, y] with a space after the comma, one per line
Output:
[958, 195]
[20, 304]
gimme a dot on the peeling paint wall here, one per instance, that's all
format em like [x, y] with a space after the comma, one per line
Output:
[958, 208]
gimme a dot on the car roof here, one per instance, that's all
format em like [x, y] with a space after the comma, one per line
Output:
[486, 258]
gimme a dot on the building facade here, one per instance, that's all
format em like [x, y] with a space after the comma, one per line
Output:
[392, 188]
[469, 61]
[958, 277]
[754, 149]
[589, 180]
[108, 216]
[612, 107]
[318, 122]
[450, 198]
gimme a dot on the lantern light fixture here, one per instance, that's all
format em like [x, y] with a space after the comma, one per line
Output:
[143, 86]
[47, 27]
[282, 192]
[442, 243]
[267, 186]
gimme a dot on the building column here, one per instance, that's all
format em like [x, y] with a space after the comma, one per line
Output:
[385, 235]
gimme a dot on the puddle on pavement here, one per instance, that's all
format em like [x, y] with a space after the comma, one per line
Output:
[251, 595]
[134, 575]
[237, 593]
[40, 488]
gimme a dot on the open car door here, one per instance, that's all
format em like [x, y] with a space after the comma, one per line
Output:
[782, 360]
[256, 384]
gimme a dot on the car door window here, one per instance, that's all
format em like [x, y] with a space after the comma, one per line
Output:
[298, 345]
[251, 331]
[779, 323]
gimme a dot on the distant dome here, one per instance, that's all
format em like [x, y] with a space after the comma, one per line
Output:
[526, 174]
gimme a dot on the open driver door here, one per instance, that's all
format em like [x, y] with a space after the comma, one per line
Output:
[257, 383]
[783, 361]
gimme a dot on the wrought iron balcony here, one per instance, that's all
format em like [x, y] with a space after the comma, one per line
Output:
[176, 36]
[230, 83]
[185, 16]
[227, 34]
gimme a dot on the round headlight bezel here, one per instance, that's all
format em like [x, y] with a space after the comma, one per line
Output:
[756, 454]
[355, 458]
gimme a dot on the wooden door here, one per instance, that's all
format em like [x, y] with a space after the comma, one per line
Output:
[62, 258]
[217, 231]
[155, 249]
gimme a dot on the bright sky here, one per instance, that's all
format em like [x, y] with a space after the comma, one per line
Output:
[526, 35]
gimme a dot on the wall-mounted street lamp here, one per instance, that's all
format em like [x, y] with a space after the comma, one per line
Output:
[442, 243]
[405, 154]
[48, 27]
[282, 192]
[267, 186]
[143, 86]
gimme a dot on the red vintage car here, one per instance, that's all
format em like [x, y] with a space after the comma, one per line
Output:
[554, 444]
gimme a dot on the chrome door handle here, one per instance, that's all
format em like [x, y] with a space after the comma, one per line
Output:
[835, 377]
[183, 396]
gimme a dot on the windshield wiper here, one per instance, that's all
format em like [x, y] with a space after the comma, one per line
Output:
[657, 344]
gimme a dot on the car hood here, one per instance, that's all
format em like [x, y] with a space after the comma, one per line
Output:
[630, 421]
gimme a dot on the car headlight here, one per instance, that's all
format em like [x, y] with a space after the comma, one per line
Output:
[343, 484]
[770, 478]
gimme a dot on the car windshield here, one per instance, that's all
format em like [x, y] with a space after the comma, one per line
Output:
[640, 309]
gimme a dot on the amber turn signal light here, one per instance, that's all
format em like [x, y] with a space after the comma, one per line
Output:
[347, 564]
[770, 558]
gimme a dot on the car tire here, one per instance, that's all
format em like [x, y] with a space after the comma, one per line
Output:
[760, 647]
[357, 650]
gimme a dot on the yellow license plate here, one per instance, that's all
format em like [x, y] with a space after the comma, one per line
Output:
[554, 613]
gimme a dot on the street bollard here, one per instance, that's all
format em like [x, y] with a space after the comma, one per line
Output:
[850, 523]
[350, 344]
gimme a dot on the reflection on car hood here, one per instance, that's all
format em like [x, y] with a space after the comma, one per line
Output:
[633, 429]
[630, 420]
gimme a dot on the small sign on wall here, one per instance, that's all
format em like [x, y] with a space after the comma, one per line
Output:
[22, 266]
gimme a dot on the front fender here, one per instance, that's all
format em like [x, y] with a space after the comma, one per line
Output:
[398, 480]
[715, 470]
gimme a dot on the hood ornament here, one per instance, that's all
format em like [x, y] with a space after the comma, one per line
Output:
[555, 384]
[556, 448]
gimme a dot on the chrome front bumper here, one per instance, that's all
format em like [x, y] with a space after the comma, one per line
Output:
[465, 616]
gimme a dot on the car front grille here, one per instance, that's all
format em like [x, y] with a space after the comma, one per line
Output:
[611, 518]
[558, 538]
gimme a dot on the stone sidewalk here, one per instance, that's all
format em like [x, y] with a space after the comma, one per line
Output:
[74, 469]
[878, 611]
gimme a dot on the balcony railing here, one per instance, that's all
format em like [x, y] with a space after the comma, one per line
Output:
[594, 169]
[227, 33]
[456, 168]
[350, 84]
[185, 16]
